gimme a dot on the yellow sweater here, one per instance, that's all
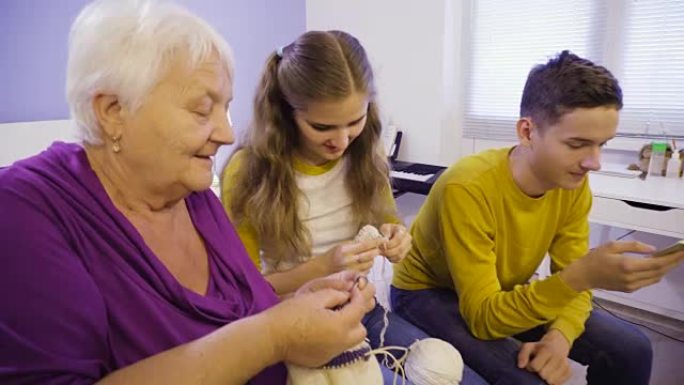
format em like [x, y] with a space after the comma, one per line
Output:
[479, 234]
[324, 207]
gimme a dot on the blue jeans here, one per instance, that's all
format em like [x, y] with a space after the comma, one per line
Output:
[615, 351]
[402, 333]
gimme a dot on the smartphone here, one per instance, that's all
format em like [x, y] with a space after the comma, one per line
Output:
[679, 246]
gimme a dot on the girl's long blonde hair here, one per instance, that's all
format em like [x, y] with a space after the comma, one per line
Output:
[318, 66]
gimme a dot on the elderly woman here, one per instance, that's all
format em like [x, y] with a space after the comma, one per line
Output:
[118, 265]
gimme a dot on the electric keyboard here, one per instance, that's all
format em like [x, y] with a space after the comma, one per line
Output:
[411, 176]
[414, 177]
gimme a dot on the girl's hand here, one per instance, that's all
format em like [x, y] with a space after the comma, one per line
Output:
[399, 241]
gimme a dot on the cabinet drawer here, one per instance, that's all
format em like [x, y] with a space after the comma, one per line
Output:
[615, 212]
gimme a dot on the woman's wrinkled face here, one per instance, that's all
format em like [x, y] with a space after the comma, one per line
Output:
[172, 138]
[326, 129]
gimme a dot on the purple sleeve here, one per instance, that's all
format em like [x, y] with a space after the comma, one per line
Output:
[53, 321]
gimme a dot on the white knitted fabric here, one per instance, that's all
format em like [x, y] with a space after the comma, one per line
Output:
[364, 370]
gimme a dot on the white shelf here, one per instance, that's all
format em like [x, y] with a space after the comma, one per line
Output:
[613, 195]
[653, 190]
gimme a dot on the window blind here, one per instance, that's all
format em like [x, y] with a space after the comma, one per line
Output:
[653, 69]
[507, 39]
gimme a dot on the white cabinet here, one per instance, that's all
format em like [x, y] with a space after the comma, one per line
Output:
[653, 205]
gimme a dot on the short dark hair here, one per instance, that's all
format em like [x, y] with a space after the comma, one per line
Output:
[565, 83]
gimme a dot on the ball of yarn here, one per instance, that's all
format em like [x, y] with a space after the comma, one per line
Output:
[368, 232]
[431, 361]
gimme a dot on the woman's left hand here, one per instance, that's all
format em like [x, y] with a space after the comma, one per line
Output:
[341, 281]
[399, 241]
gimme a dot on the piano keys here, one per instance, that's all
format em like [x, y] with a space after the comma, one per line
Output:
[414, 177]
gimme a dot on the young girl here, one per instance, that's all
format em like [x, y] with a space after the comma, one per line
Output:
[312, 171]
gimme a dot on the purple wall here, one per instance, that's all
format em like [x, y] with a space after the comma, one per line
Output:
[33, 49]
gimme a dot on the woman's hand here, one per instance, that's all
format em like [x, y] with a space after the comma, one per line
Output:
[399, 241]
[351, 256]
[341, 281]
[306, 329]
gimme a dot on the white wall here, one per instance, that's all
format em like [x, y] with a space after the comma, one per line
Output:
[415, 52]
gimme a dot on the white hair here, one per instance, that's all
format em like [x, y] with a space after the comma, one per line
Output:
[124, 47]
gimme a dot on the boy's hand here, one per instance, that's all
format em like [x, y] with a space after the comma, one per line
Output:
[547, 357]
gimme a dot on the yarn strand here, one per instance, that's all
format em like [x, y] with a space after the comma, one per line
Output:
[397, 364]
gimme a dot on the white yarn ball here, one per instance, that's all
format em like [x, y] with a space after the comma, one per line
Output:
[431, 361]
[368, 232]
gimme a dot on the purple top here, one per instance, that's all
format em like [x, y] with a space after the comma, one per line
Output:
[83, 295]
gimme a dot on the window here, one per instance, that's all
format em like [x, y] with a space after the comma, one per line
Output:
[653, 69]
[639, 43]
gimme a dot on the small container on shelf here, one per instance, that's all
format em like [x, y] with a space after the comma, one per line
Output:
[674, 166]
[656, 166]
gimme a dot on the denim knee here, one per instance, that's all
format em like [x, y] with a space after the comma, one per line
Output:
[636, 351]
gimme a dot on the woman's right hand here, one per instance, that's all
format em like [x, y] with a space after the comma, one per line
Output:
[307, 331]
[351, 256]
